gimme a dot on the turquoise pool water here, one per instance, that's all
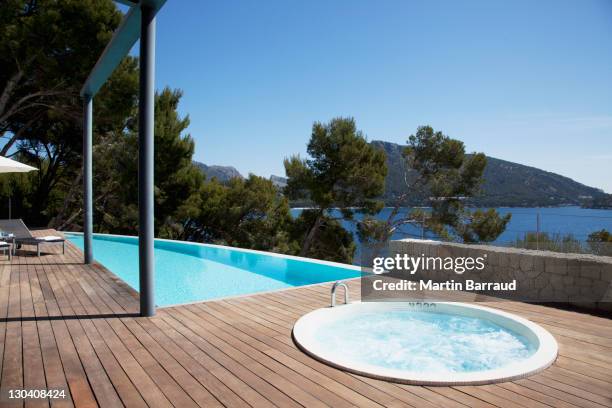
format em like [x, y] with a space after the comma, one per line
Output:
[424, 342]
[188, 272]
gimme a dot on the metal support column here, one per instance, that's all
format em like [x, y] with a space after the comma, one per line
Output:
[145, 161]
[87, 179]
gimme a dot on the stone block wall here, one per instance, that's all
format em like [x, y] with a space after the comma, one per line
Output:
[542, 276]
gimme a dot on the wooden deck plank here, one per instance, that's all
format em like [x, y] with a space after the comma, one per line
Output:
[305, 394]
[288, 348]
[536, 396]
[180, 388]
[102, 388]
[5, 280]
[177, 363]
[557, 393]
[54, 369]
[287, 353]
[71, 326]
[220, 314]
[248, 331]
[208, 369]
[12, 366]
[192, 332]
[78, 382]
[33, 368]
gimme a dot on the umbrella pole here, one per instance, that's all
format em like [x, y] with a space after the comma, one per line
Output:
[9, 207]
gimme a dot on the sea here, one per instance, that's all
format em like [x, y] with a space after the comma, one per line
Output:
[577, 221]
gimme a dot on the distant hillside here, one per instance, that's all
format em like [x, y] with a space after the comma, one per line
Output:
[278, 181]
[600, 202]
[221, 173]
[506, 184]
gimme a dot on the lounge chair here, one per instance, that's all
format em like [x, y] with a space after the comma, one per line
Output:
[23, 236]
[6, 248]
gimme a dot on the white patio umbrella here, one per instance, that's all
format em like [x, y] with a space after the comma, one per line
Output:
[11, 166]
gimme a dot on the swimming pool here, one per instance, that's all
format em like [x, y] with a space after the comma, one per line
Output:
[188, 272]
[435, 343]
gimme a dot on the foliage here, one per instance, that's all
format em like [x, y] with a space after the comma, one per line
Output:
[505, 184]
[550, 242]
[597, 243]
[483, 226]
[450, 176]
[333, 242]
[343, 171]
[176, 177]
[443, 172]
[45, 60]
[47, 49]
[600, 242]
[248, 213]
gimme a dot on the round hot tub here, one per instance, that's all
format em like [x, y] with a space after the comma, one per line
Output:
[426, 343]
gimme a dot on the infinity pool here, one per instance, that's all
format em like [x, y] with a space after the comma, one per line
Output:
[189, 272]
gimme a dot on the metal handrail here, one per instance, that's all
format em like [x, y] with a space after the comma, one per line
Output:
[333, 293]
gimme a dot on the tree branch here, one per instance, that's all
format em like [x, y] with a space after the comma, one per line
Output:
[8, 89]
[17, 106]
[17, 135]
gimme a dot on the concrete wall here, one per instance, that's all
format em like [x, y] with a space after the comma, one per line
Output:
[542, 276]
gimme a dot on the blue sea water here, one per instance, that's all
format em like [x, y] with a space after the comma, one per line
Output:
[579, 222]
[188, 272]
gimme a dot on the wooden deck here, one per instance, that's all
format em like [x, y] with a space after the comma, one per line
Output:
[64, 325]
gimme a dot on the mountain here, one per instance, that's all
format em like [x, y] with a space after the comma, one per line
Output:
[221, 173]
[505, 184]
[600, 202]
[278, 181]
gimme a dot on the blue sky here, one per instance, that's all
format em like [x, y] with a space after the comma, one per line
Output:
[526, 81]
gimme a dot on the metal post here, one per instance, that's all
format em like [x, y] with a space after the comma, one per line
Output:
[145, 161]
[538, 231]
[423, 226]
[87, 179]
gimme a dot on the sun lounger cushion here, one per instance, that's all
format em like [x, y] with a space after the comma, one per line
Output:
[51, 238]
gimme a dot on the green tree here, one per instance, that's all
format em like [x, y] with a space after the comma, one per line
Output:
[483, 226]
[447, 176]
[53, 194]
[115, 107]
[343, 171]
[176, 177]
[333, 242]
[247, 213]
[47, 49]
[600, 242]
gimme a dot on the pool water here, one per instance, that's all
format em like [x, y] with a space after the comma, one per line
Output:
[189, 272]
[423, 342]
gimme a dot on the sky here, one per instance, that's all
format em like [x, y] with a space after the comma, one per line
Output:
[522, 80]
